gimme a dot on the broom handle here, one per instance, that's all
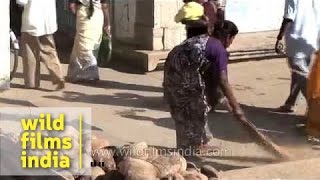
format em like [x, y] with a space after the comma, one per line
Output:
[262, 138]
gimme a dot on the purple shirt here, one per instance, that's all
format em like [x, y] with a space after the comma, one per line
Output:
[218, 57]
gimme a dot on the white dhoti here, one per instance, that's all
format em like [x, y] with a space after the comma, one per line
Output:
[83, 60]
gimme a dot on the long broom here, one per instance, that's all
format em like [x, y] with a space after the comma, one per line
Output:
[264, 140]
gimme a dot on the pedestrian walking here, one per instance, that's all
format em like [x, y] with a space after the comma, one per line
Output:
[300, 27]
[37, 42]
[92, 18]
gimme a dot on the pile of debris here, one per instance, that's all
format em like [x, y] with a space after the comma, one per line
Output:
[140, 162]
[129, 162]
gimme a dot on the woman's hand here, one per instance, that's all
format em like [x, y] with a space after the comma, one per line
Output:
[239, 115]
[107, 30]
[237, 111]
[232, 104]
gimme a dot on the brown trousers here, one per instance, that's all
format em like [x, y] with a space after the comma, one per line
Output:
[35, 50]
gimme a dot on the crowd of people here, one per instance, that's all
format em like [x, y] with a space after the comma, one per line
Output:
[38, 23]
[195, 73]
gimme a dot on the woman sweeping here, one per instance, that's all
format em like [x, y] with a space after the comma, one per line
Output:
[92, 18]
[200, 17]
[185, 71]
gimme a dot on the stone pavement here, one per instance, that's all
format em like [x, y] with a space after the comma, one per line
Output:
[127, 106]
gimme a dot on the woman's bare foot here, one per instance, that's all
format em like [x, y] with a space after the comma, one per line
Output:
[207, 149]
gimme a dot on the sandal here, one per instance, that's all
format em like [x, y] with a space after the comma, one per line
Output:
[284, 109]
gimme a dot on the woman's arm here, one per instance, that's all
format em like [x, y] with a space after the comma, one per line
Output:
[105, 9]
[289, 16]
[232, 103]
[219, 57]
[284, 26]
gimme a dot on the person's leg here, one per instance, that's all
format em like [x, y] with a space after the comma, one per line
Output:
[304, 67]
[74, 65]
[207, 136]
[48, 55]
[294, 89]
[188, 132]
[192, 130]
[31, 66]
[300, 69]
[294, 92]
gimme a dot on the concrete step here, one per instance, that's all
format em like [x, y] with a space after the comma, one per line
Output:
[253, 54]
[150, 60]
[302, 169]
[141, 59]
[243, 50]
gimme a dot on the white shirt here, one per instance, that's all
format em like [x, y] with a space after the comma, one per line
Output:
[302, 37]
[39, 17]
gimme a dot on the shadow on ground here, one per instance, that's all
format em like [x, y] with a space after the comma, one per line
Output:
[120, 65]
[118, 99]
[20, 86]
[133, 114]
[123, 86]
[101, 84]
[16, 102]
[280, 127]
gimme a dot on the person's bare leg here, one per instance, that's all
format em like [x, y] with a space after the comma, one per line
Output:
[295, 89]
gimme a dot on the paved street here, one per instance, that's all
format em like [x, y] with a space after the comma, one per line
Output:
[127, 106]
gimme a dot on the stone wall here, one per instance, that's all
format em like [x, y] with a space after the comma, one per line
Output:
[124, 19]
[4, 45]
[148, 24]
